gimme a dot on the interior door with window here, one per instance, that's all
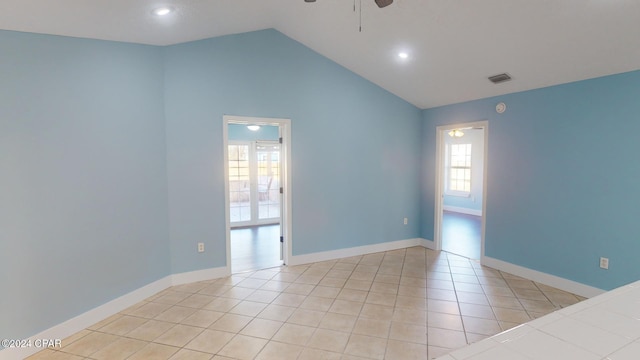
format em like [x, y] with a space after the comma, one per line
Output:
[254, 183]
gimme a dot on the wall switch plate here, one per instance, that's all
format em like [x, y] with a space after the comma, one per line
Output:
[604, 263]
[406, 221]
[200, 247]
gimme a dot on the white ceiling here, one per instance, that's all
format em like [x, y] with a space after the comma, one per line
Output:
[454, 45]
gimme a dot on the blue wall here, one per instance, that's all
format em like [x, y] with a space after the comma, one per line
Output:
[355, 147]
[83, 192]
[562, 177]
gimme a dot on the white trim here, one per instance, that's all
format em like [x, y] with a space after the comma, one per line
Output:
[199, 275]
[86, 319]
[543, 278]
[286, 221]
[462, 210]
[355, 251]
[429, 244]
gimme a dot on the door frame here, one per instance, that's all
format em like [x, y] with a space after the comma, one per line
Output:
[441, 132]
[285, 222]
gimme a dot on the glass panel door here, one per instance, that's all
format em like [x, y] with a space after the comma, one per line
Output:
[239, 183]
[268, 165]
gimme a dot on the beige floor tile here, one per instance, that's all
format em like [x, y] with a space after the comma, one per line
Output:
[371, 327]
[481, 326]
[171, 297]
[436, 351]
[415, 291]
[239, 293]
[300, 289]
[511, 315]
[119, 349]
[472, 298]
[479, 311]
[346, 307]
[276, 312]
[469, 288]
[221, 304]
[263, 296]
[210, 341]
[293, 300]
[150, 310]
[366, 346]
[358, 284]
[179, 335]
[401, 350]
[243, 347]
[444, 321]
[231, 323]
[385, 288]
[378, 312]
[381, 299]
[294, 334]
[150, 330]
[123, 325]
[408, 332]
[316, 303]
[279, 351]
[447, 307]
[115, 317]
[90, 344]
[306, 317]
[186, 354]
[328, 340]
[202, 318]
[402, 304]
[338, 322]
[262, 328]
[248, 308]
[412, 316]
[530, 294]
[508, 302]
[315, 354]
[154, 351]
[352, 295]
[175, 314]
[449, 339]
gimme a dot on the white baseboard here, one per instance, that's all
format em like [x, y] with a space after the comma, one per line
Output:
[543, 278]
[429, 244]
[113, 307]
[199, 275]
[354, 251]
[462, 210]
[88, 318]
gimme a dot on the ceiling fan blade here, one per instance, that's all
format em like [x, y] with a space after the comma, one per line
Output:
[383, 3]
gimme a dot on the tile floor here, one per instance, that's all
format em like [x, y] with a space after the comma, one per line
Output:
[405, 304]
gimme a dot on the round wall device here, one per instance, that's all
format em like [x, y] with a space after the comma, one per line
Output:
[501, 107]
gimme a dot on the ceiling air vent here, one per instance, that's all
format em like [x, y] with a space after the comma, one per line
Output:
[500, 78]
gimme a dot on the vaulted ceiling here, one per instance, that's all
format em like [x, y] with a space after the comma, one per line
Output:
[452, 45]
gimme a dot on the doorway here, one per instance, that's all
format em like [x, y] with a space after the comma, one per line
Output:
[461, 188]
[257, 188]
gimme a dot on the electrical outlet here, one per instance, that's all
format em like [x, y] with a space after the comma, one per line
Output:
[604, 263]
[200, 247]
[406, 221]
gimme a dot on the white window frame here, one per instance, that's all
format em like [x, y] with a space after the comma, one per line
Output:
[448, 190]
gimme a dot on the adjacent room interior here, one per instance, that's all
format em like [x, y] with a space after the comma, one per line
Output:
[140, 215]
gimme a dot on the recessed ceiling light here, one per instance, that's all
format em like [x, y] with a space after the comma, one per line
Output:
[403, 55]
[162, 11]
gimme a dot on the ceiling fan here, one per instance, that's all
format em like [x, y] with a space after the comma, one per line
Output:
[380, 3]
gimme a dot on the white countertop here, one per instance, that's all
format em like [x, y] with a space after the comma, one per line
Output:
[605, 327]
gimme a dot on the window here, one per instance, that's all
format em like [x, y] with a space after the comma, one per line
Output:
[459, 182]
